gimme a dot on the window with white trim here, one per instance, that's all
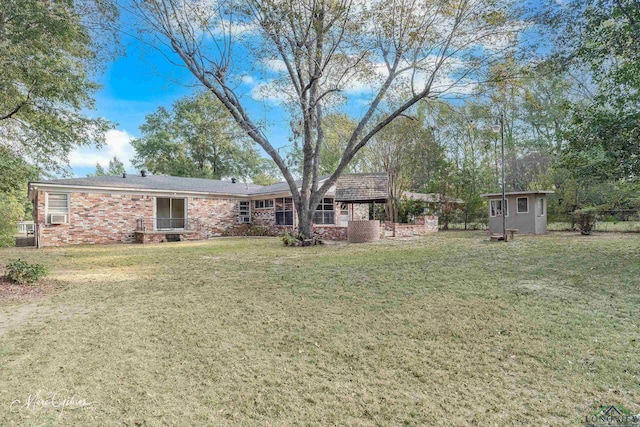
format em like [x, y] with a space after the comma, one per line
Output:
[262, 204]
[325, 212]
[244, 211]
[495, 207]
[57, 211]
[541, 206]
[171, 213]
[523, 205]
[284, 211]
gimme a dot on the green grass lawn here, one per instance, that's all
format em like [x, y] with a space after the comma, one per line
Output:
[620, 226]
[445, 330]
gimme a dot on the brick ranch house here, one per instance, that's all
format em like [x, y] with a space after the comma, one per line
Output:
[149, 208]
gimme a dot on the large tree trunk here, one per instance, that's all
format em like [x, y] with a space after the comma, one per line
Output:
[305, 221]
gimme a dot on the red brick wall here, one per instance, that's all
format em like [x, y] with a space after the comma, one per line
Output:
[111, 218]
[218, 215]
[360, 211]
[263, 216]
[424, 225]
[94, 219]
[330, 232]
[101, 218]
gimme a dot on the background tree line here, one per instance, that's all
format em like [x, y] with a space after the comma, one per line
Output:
[570, 95]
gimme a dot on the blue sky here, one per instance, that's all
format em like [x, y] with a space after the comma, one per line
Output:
[135, 85]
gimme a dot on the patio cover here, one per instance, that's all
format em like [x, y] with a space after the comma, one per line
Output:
[362, 188]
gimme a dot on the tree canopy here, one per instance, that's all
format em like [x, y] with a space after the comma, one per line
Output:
[197, 138]
[400, 52]
[48, 56]
[115, 167]
[601, 36]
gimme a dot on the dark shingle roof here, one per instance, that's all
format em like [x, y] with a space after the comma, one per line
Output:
[352, 187]
[280, 187]
[362, 188]
[159, 182]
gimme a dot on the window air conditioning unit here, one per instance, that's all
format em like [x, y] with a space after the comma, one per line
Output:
[245, 219]
[58, 219]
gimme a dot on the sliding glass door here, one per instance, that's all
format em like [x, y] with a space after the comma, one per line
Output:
[170, 213]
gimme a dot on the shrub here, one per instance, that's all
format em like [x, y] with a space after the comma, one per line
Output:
[409, 209]
[10, 212]
[289, 239]
[247, 230]
[587, 218]
[22, 272]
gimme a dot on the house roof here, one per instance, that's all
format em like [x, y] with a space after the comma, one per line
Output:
[280, 187]
[518, 193]
[169, 184]
[362, 188]
[157, 182]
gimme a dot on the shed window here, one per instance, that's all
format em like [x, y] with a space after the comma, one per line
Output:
[244, 211]
[58, 207]
[284, 211]
[523, 205]
[324, 214]
[495, 207]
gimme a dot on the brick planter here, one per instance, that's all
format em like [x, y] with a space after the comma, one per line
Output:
[145, 237]
[361, 231]
[424, 225]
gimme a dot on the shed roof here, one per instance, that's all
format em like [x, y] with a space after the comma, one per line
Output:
[518, 193]
[362, 188]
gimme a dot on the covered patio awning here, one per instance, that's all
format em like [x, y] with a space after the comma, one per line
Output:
[362, 188]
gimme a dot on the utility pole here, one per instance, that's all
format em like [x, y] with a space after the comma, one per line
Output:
[500, 126]
[504, 204]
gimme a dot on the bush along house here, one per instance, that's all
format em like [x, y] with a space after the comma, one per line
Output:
[152, 208]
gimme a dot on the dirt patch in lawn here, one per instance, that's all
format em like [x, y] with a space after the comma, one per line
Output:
[544, 287]
[16, 316]
[13, 293]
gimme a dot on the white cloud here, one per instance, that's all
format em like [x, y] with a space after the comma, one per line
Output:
[234, 28]
[247, 79]
[118, 143]
[270, 91]
[276, 65]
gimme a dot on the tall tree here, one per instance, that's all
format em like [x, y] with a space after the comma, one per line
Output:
[197, 138]
[14, 204]
[47, 56]
[602, 36]
[464, 131]
[16, 172]
[404, 150]
[401, 52]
